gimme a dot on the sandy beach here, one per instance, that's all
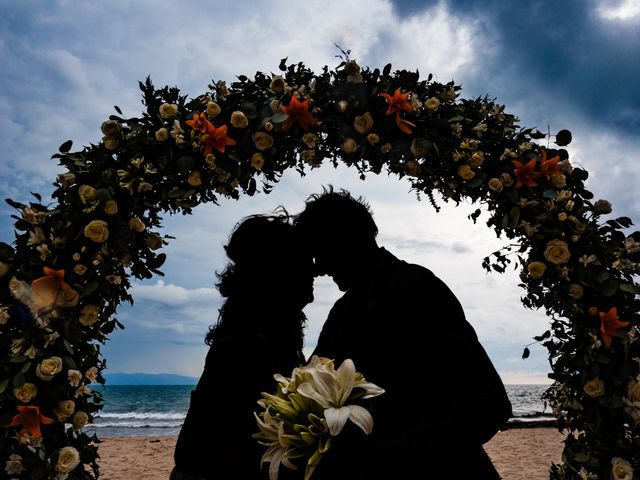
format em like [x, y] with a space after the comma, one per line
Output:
[518, 454]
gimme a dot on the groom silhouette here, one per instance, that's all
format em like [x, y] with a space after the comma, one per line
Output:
[406, 332]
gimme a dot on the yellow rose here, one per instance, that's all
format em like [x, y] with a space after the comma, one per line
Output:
[26, 392]
[86, 192]
[67, 406]
[349, 145]
[594, 387]
[277, 84]
[111, 207]
[363, 123]
[89, 315]
[557, 252]
[495, 185]
[621, 469]
[162, 134]
[465, 172]
[239, 119]
[49, 367]
[562, 216]
[372, 138]
[536, 269]
[257, 161]
[97, 231]
[168, 110]
[263, 141]
[136, 225]
[79, 420]
[213, 109]
[68, 459]
[432, 104]
[110, 128]
[67, 297]
[194, 179]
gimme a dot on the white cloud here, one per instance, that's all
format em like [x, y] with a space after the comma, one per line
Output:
[619, 10]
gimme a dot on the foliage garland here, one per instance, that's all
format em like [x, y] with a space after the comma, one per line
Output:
[70, 265]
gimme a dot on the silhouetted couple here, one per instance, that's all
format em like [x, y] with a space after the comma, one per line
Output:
[401, 325]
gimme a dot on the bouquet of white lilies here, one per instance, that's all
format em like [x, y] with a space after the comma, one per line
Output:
[310, 408]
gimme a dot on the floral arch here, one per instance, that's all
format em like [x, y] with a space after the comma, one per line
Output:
[69, 267]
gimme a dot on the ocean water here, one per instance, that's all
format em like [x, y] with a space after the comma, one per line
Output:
[160, 409]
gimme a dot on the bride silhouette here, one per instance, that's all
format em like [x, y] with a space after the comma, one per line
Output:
[267, 283]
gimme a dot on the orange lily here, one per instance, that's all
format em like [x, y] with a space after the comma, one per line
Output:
[298, 113]
[44, 290]
[525, 173]
[398, 102]
[549, 167]
[216, 139]
[199, 123]
[30, 419]
[609, 326]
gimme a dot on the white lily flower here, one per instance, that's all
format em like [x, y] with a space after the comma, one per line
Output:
[332, 389]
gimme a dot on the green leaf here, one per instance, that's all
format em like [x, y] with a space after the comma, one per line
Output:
[563, 138]
[18, 380]
[65, 147]
[3, 385]
[609, 288]
[89, 288]
[525, 353]
[630, 288]
[279, 117]
[514, 217]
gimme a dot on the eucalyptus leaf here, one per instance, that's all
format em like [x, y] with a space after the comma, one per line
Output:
[3, 385]
[630, 288]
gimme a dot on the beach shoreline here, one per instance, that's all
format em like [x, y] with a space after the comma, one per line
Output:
[519, 453]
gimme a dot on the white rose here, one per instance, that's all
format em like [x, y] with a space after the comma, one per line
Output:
[349, 145]
[97, 231]
[162, 134]
[136, 224]
[432, 104]
[13, 465]
[89, 315]
[68, 459]
[74, 377]
[594, 387]
[79, 420]
[67, 406]
[239, 119]
[168, 110]
[557, 252]
[26, 392]
[92, 374]
[536, 269]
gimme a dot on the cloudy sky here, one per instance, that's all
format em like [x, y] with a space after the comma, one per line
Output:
[555, 65]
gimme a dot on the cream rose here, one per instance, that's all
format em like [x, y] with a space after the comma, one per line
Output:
[476, 159]
[136, 225]
[97, 231]
[162, 134]
[466, 172]
[68, 459]
[168, 110]
[576, 291]
[363, 123]
[310, 139]
[559, 180]
[26, 392]
[257, 161]
[194, 179]
[557, 252]
[67, 297]
[14, 465]
[67, 406]
[506, 179]
[277, 84]
[349, 145]
[86, 192]
[495, 185]
[372, 138]
[4, 269]
[110, 143]
[213, 109]
[239, 119]
[89, 315]
[110, 128]
[263, 141]
[412, 168]
[602, 207]
[79, 420]
[79, 269]
[153, 241]
[92, 374]
[75, 376]
[621, 469]
[594, 387]
[432, 104]
[536, 269]
[111, 207]
[66, 179]
[49, 367]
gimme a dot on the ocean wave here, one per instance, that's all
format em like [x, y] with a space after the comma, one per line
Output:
[137, 425]
[144, 415]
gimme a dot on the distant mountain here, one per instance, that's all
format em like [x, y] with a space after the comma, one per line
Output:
[148, 379]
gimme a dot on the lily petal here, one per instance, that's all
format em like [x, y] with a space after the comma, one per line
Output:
[336, 419]
[361, 417]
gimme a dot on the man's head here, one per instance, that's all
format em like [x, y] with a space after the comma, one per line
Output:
[341, 234]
